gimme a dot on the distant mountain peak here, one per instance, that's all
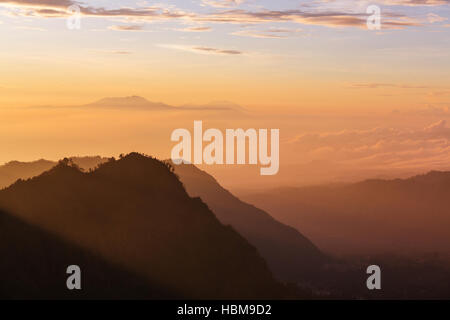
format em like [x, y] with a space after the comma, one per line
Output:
[141, 103]
[128, 102]
[129, 99]
[15, 163]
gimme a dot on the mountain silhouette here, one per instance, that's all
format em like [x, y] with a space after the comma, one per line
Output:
[290, 255]
[34, 264]
[370, 217]
[129, 102]
[136, 102]
[135, 213]
[15, 170]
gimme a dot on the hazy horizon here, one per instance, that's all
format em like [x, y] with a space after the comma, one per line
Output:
[315, 148]
[351, 102]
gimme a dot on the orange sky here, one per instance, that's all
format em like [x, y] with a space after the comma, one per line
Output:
[307, 70]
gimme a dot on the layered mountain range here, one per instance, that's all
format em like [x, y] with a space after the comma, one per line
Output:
[135, 214]
[290, 255]
[400, 216]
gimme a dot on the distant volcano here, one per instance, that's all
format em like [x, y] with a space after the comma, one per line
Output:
[129, 102]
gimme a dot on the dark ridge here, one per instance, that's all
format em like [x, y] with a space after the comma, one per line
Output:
[135, 213]
[34, 262]
[373, 217]
[15, 170]
[290, 255]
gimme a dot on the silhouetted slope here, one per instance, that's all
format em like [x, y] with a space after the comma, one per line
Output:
[33, 266]
[374, 216]
[290, 255]
[136, 213]
[14, 170]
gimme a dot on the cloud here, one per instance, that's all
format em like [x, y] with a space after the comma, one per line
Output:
[323, 18]
[374, 85]
[414, 2]
[222, 3]
[59, 8]
[202, 49]
[121, 52]
[126, 28]
[215, 50]
[379, 148]
[41, 3]
[432, 18]
[118, 52]
[196, 29]
[272, 33]
[440, 126]
[317, 16]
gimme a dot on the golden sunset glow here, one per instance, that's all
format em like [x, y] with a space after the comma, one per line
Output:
[307, 70]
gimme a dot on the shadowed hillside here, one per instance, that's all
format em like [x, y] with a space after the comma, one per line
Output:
[33, 266]
[14, 170]
[135, 213]
[290, 255]
[375, 216]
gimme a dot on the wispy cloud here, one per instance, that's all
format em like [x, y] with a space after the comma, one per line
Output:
[414, 2]
[58, 8]
[116, 52]
[202, 49]
[222, 3]
[41, 3]
[127, 27]
[308, 16]
[375, 85]
[271, 33]
[433, 18]
[217, 51]
[195, 29]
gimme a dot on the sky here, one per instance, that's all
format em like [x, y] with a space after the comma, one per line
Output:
[312, 68]
[263, 54]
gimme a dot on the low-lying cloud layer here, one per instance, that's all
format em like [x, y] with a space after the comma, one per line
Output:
[379, 148]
